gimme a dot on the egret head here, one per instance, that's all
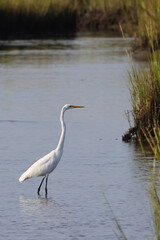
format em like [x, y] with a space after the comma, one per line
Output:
[70, 106]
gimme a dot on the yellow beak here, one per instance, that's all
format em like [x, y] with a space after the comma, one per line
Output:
[75, 106]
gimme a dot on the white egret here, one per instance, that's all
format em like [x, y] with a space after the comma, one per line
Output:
[45, 165]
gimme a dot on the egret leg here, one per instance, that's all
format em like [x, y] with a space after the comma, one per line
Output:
[38, 191]
[46, 186]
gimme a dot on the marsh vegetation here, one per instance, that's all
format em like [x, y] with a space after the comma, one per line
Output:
[28, 19]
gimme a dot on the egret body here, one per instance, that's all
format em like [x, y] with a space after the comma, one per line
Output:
[45, 165]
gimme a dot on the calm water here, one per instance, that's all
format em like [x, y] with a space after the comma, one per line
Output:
[37, 78]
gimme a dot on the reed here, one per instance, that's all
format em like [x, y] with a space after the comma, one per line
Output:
[145, 99]
[154, 143]
[155, 207]
[137, 17]
[32, 18]
[148, 30]
[19, 17]
[118, 231]
[79, 5]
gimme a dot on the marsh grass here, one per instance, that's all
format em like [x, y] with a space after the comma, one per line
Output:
[154, 142]
[28, 19]
[20, 17]
[140, 18]
[155, 207]
[145, 95]
[119, 233]
[145, 100]
[153, 139]
[148, 15]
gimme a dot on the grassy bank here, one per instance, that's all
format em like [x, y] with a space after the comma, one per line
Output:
[148, 29]
[19, 18]
[50, 17]
[145, 83]
[145, 95]
[38, 18]
[145, 99]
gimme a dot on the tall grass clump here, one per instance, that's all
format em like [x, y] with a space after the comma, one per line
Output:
[153, 139]
[148, 24]
[145, 99]
[19, 17]
[140, 18]
[154, 142]
[106, 15]
[36, 18]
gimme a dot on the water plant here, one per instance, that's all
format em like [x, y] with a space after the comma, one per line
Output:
[118, 231]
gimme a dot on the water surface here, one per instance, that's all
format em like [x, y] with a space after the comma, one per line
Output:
[37, 79]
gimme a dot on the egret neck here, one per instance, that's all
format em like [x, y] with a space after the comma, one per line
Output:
[63, 131]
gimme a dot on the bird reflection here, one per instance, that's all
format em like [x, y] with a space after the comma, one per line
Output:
[40, 206]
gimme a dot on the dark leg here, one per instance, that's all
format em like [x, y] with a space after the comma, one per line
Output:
[46, 186]
[40, 186]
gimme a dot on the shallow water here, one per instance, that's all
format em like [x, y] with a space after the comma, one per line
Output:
[37, 79]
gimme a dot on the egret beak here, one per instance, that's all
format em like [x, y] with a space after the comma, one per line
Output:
[75, 106]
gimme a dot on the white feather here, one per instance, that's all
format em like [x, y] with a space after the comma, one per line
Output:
[45, 165]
